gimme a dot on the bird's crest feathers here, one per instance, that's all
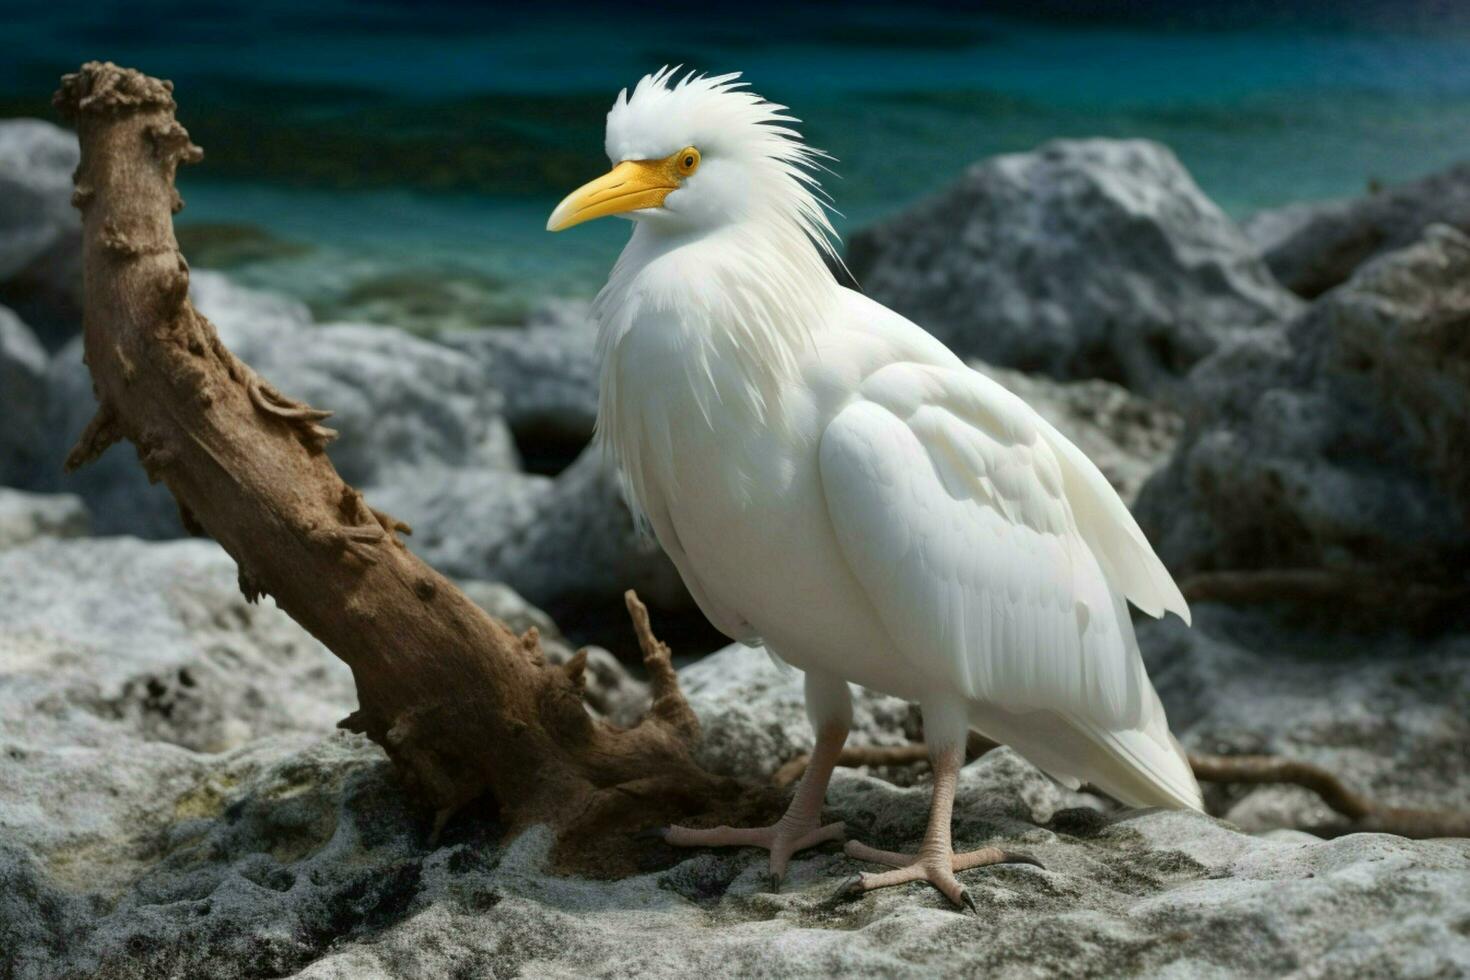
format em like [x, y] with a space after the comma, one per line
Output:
[664, 113]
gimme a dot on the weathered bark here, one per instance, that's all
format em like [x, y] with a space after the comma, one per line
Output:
[461, 705]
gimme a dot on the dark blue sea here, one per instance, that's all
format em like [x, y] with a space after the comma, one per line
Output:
[396, 161]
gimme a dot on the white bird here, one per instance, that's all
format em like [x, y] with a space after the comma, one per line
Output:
[834, 483]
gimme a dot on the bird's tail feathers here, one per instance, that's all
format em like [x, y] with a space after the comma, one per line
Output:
[1135, 766]
[1140, 769]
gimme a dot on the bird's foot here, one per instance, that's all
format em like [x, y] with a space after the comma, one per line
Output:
[782, 838]
[937, 869]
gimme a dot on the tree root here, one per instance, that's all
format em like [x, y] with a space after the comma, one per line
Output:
[1409, 602]
[463, 707]
[1362, 815]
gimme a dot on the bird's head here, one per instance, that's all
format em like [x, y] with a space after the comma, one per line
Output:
[698, 154]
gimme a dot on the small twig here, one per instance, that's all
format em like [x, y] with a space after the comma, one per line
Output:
[856, 755]
[391, 525]
[879, 755]
[576, 670]
[669, 704]
[101, 432]
[302, 417]
[1363, 815]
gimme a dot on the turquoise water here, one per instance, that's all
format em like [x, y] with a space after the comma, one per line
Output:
[389, 148]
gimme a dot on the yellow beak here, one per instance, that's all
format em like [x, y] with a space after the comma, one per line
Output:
[630, 186]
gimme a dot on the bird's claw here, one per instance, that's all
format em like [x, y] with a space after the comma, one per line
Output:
[939, 872]
[850, 889]
[1012, 857]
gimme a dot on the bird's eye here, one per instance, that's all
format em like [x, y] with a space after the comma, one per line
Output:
[688, 161]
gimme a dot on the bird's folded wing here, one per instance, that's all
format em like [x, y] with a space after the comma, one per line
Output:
[721, 616]
[958, 516]
[1104, 522]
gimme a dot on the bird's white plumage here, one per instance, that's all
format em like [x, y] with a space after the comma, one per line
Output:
[949, 508]
[829, 478]
[953, 510]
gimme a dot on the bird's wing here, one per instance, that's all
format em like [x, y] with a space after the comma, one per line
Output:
[724, 618]
[985, 542]
[1110, 531]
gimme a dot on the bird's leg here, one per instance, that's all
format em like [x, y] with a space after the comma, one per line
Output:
[800, 826]
[936, 862]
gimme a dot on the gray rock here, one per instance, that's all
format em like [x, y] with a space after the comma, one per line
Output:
[581, 544]
[406, 408]
[40, 254]
[562, 542]
[403, 405]
[460, 517]
[116, 638]
[291, 855]
[1095, 258]
[47, 293]
[110, 639]
[249, 321]
[27, 516]
[219, 828]
[1127, 436]
[1313, 247]
[400, 402]
[510, 607]
[547, 375]
[753, 713]
[1344, 442]
[36, 164]
[23, 433]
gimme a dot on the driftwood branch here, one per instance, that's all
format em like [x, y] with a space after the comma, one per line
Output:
[1362, 814]
[462, 706]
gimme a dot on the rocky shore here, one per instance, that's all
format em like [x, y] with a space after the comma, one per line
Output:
[175, 799]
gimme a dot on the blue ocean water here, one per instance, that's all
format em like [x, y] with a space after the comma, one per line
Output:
[383, 149]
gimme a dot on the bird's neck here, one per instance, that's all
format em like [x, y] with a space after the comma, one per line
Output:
[714, 327]
[757, 291]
